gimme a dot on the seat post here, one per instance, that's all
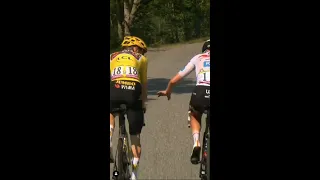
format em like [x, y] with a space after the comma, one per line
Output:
[122, 119]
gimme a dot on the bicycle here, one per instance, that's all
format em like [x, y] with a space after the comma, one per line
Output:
[123, 153]
[205, 149]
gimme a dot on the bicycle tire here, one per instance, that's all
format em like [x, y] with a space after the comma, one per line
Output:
[208, 156]
[202, 158]
[120, 159]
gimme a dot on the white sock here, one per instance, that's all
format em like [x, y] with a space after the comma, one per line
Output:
[111, 133]
[196, 137]
[135, 163]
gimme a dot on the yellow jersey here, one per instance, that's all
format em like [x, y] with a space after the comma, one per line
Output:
[128, 65]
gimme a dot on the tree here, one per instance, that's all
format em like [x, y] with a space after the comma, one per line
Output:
[159, 21]
[125, 13]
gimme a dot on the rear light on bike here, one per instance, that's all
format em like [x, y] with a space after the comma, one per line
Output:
[205, 154]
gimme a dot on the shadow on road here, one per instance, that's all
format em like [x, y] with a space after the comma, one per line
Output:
[151, 99]
[158, 84]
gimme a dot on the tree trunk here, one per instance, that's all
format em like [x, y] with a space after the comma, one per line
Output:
[120, 19]
[198, 19]
[130, 9]
[135, 6]
[126, 12]
[120, 30]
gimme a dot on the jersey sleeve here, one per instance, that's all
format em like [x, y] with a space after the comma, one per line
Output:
[144, 70]
[189, 67]
[111, 57]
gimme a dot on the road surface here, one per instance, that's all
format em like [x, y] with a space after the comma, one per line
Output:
[166, 140]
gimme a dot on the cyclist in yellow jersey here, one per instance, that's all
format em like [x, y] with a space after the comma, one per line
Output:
[128, 84]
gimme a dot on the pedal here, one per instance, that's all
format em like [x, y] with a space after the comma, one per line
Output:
[203, 176]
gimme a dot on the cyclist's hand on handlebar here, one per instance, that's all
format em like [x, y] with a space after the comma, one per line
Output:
[164, 93]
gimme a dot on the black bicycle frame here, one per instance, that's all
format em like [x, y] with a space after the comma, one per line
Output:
[123, 138]
[205, 172]
[122, 125]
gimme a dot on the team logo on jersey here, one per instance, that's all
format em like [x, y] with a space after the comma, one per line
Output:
[113, 55]
[128, 83]
[206, 64]
[117, 86]
[203, 71]
[126, 87]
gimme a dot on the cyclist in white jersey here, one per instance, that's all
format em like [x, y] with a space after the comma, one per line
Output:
[200, 98]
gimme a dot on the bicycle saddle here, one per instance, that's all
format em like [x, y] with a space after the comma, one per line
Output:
[121, 109]
[206, 109]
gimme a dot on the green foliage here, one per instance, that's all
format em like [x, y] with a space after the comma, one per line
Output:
[166, 21]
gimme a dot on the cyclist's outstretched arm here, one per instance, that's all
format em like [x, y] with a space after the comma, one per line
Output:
[187, 70]
[180, 75]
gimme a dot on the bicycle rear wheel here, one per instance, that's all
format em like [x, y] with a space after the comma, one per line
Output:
[120, 160]
[204, 158]
[208, 157]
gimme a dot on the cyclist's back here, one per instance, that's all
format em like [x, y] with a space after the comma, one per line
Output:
[201, 94]
[200, 98]
[201, 64]
[128, 85]
[128, 66]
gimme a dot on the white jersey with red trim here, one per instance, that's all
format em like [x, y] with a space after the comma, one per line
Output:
[201, 63]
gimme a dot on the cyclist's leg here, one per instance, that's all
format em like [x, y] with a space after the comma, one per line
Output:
[195, 123]
[197, 103]
[117, 97]
[113, 104]
[136, 118]
[112, 126]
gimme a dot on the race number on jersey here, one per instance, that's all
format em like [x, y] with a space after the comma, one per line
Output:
[125, 71]
[204, 74]
[204, 77]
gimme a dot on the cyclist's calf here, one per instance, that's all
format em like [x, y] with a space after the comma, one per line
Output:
[135, 140]
[136, 146]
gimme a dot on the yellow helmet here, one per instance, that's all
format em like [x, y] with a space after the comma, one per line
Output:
[133, 40]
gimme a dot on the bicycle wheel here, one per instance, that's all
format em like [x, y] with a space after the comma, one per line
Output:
[208, 157]
[126, 161]
[204, 158]
[120, 159]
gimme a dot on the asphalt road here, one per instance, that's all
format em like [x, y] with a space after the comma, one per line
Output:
[166, 140]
